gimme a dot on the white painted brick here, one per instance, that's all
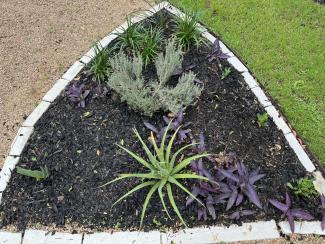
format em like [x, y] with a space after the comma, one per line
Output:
[277, 119]
[44, 237]
[10, 237]
[145, 14]
[86, 59]
[73, 71]
[20, 140]
[282, 125]
[123, 238]
[303, 227]
[225, 50]
[36, 114]
[237, 64]
[261, 97]
[193, 236]
[300, 152]
[215, 234]
[107, 40]
[319, 182]
[5, 174]
[56, 90]
[250, 80]
[175, 11]
[211, 38]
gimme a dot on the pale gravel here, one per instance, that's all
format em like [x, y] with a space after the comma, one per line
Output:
[39, 40]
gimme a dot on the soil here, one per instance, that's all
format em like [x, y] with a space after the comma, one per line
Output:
[80, 154]
[38, 42]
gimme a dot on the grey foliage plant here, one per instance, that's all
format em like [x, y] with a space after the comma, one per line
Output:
[153, 95]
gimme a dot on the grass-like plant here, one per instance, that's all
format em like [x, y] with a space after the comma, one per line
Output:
[129, 37]
[99, 66]
[149, 43]
[163, 170]
[187, 31]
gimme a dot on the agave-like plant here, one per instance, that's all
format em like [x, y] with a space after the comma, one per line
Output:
[163, 171]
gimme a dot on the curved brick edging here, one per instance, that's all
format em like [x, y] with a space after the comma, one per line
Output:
[248, 231]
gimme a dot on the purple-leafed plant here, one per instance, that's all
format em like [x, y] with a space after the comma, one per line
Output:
[177, 122]
[238, 214]
[204, 190]
[240, 183]
[77, 94]
[217, 54]
[180, 70]
[290, 212]
[322, 201]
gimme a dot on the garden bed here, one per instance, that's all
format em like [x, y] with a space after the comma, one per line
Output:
[78, 147]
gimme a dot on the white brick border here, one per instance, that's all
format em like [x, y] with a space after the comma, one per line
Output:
[248, 231]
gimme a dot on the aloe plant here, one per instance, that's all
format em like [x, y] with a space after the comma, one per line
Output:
[163, 171]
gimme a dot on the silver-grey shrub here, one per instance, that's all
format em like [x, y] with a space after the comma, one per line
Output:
[150, 96]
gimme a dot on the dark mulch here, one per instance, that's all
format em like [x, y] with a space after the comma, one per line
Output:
[81, 155]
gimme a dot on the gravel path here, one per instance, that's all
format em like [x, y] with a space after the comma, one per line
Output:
[39, 40]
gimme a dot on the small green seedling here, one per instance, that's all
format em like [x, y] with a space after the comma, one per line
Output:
[225, 73]
[304, 187]
[37, 174]
[262, 119]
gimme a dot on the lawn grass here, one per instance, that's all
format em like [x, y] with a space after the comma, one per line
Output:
[283, 43]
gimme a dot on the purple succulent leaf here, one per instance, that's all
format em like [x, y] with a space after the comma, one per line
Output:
[85, 94]
[179, 117]
[195, 192]
[229, 175]
[239, 199]
[222, 55]
[166, 119]
[202, 213]
[207, 187]
[222, 196]
[216, 45]
[201, 145]
[212, 211]
[254, 178]
[235, 215]
[323, 222]
[241, 169]
[247, 212]
[182, 134]
[82, 104]
[291, 221]
[288, 200]
[279, 205]
[151, 127]
[232, 200]
[250, 192]
[302, 214]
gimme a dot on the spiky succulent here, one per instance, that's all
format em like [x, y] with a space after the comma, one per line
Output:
[290, 212]
[163, 170]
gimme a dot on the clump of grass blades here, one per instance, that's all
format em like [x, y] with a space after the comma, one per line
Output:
[186, 31]
[150, 40]
[129, 38]
[163, 172]
[99, 66]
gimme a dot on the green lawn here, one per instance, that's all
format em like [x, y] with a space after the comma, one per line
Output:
[283, 43]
